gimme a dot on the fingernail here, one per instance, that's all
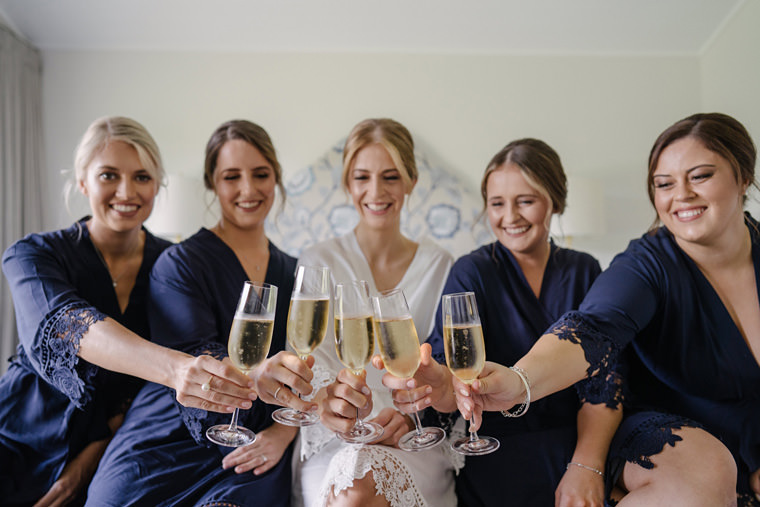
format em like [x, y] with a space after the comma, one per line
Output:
[229, 409]
[366, 404]
[429, 390]
[410, 384]
[246, 405]
[252, 396]
[463, 392]
[366, 390]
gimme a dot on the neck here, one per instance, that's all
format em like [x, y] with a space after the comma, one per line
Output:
[536, 258]
[241, 239]
[382, 244]
[112, 244]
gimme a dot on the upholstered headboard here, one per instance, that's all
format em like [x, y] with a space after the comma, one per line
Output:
[317, 208]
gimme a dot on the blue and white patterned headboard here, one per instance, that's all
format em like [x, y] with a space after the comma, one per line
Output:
[317, 208]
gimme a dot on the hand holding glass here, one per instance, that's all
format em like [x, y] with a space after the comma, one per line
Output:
[400, 350]
[248, 345]
[307, 326]
[354, 344]
[465, 357]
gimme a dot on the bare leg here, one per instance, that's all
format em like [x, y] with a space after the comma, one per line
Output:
[698, 472]
[362, 493]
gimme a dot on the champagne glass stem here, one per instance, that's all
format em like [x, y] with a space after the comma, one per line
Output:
[417, 422]
[234, 421]
[473, 433]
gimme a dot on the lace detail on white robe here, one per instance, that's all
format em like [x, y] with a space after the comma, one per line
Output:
[393, 480]
[456, 432]
[315, 437]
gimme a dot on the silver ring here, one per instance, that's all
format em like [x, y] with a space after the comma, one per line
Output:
[264, 458]
[207, 386]
[275, 396]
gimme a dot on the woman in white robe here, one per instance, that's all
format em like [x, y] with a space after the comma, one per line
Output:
[379, 172]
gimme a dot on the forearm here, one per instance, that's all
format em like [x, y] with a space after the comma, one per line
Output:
[597, 425]
[110, 345]
[552, 365]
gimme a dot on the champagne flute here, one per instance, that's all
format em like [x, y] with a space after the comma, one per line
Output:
[400, 350]
[465, 357]
[307, 326]
[248, 345]
[354, 344]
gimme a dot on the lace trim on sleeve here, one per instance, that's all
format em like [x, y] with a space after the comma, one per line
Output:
[196, 419]
[315, 437]
[58, 347]
[604, 383]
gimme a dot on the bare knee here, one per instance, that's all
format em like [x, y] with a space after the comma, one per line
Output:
[698, 471]
[362, 493]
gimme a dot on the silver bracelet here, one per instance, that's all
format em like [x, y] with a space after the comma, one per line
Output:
[526, 402]
[590, 469]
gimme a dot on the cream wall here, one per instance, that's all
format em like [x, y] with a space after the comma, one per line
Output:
[730, 74]
[600, 113]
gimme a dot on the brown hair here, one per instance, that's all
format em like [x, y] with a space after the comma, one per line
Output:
[540, 165]
[393, 136]
[717, 132]
[252, 134]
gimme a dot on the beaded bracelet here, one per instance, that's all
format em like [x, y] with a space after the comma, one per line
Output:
[590, 469]
[526, 402]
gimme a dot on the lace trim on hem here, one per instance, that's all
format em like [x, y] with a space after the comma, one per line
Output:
[315, 437]
[650, 437]
[604, 384]
[393, 480]
[58, 348]
[196, 419]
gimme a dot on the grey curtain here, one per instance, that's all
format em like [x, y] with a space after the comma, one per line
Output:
[20, 160]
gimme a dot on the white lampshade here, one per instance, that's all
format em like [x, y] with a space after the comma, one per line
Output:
[585, 211]
[179, 208]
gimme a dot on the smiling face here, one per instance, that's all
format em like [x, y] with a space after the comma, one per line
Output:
[244, 182]
[696, 193]
[119, 188]
[518, 213]
[376, 187]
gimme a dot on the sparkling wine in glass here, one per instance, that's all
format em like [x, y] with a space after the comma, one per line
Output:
[400, 349]
[307, 325]
[248, 345]
[465, 357]
[354, 344]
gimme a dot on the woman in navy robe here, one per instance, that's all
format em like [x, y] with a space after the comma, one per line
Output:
[161, 456]
[523, 283]
[80, 296]
[682, 304]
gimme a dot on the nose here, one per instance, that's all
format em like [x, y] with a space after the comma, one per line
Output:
[510, 212]
[683, 191]
[126, 188]
[375, 186]
[247, 186]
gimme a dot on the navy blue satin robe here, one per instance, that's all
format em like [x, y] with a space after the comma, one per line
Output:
[52, 403]
[160, 456]
[686, 358]
[535, 448]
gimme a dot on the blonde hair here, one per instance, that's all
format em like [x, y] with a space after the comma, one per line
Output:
[118, 128]
[390, 134]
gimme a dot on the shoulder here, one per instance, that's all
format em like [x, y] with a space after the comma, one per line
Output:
[432, 252]
[57, 244]
[194, 252]
[576, 259]
[288, 262]
[326, 251]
